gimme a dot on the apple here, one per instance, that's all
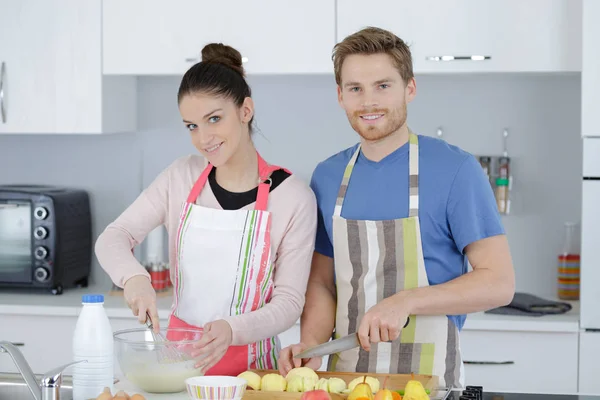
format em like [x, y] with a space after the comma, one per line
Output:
[318, 394]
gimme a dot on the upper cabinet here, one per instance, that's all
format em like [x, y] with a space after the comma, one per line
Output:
[156, 37]
[51, 71]
[476, 35]
[590, 69]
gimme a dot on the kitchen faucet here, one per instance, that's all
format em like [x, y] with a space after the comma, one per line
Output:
[49, 387]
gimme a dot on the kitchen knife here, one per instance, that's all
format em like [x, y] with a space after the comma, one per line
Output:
[335, 346]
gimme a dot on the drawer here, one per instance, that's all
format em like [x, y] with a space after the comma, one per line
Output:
[539, 362]
[47, 341]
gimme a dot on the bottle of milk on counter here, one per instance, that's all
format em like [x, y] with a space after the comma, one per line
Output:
[92, 341]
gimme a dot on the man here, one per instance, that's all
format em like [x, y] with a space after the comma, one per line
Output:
[400, 218]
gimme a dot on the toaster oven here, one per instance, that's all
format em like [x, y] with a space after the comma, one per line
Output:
[45, 237]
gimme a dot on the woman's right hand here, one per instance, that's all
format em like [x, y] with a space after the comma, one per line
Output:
[141, 298]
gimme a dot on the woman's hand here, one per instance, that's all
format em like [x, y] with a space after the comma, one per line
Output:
[216, 339]
[141, 298]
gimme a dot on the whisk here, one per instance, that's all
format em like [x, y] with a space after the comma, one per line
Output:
[167, 353]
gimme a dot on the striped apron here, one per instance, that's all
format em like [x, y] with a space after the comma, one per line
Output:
[224, 267]
[375, 260]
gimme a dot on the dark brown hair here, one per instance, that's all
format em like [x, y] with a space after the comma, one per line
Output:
[220, 73]
[372, 40]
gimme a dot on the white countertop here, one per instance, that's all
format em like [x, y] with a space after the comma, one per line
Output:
[14, 302]
[568, 322]
[20, 302]
[131, 389]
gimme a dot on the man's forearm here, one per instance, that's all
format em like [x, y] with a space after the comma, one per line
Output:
[476, 291]
[318, 319]
[491, 284]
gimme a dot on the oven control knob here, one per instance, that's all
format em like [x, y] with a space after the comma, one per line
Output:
[40, 252]
[40, 233]
[40, 213]
[41, 274]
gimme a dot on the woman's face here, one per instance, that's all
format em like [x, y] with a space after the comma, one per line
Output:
[216, 124]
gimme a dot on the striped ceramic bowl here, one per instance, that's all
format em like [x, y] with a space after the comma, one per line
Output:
[216, 387]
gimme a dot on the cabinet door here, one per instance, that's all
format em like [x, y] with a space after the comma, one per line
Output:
[501, 29]
[589, 354]
[528, 362]
[51, 56]
[590, 232]
[590, 69]
[148, 37]
[47, 341]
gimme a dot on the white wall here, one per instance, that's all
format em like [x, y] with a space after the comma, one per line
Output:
[301, 123]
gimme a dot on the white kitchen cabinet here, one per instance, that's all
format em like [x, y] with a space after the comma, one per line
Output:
[519, 36]
[51, 80]
[46, 341]
[590, 232]
[152, 37]
[590, 69]
[589, 355]
[542, 362]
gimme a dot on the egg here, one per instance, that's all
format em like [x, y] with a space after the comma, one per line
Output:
[137, 397]
[121, 396]
[105, 395]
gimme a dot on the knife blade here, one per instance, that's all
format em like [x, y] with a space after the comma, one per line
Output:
[335, 346]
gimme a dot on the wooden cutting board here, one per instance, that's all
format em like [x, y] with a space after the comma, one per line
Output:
[394, 382]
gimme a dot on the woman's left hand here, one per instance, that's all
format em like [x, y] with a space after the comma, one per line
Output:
[216, 339]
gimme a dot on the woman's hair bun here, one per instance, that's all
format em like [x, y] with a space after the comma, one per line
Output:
[223, 54]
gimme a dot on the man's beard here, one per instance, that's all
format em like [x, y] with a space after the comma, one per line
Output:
[393, 122]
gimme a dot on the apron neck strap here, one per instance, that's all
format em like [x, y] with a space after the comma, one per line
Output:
[413, 174]
[264, 172]
[264, 186]
[413, 177]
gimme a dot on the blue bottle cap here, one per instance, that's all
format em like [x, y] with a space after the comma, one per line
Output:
[92, 298]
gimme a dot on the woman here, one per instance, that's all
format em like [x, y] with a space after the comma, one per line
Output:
[241, 231]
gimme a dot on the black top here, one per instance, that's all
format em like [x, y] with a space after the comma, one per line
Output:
[236, 200]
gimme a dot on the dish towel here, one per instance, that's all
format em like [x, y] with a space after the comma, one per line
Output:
[530, 305]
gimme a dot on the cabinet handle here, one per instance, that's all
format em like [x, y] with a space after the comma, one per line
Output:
[489, 362]
[458, 58]
[2, 74]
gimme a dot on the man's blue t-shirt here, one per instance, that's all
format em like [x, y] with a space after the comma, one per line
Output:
[456, 202]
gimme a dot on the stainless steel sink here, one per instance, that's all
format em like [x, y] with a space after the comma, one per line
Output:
[13, 387]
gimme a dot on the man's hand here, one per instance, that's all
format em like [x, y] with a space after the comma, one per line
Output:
[287, 361]
[383, 322]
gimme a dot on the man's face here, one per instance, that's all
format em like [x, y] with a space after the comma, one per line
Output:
[374, 95]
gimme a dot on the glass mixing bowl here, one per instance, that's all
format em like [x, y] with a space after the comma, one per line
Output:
[151, 364]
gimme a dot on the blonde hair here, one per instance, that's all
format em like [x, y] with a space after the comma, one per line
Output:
[372, 40]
